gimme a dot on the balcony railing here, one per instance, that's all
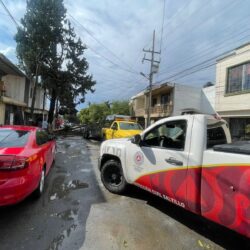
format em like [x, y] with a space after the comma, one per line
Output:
[156, 111]
[161, 110]
[139, 112]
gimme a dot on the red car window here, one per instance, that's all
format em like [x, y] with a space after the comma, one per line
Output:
[41, 137]
[13, 138]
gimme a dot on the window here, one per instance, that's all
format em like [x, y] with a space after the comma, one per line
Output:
[114, 126]
[171, 135]
[238, 78]
[130, 126]
[164, 99]
[13, 138]
[41, 137]
[215, 136]
[154, 102]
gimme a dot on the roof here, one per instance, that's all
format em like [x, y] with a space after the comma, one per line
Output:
[233, 52]
[19, 127]
[8, 68]
[154, 89]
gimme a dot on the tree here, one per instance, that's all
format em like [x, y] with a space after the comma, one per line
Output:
[48, 48]
[120, 108]
[98, 112]
[94, 113]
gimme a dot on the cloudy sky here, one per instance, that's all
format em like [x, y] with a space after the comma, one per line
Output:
[189, 33]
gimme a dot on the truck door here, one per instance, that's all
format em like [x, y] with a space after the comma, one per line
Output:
[159, 164]
[110, 131]
[114, 130]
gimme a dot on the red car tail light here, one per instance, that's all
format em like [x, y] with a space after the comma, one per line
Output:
[12, 162]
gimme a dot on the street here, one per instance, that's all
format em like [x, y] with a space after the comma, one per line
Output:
[76, 212]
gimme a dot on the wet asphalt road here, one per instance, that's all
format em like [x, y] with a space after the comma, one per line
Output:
[57, 220]
[76, 212]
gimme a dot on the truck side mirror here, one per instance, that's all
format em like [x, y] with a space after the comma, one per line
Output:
[137, 139]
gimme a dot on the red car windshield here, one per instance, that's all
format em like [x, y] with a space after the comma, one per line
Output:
[13, 138]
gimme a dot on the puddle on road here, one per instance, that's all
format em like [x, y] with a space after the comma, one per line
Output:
[58, 241]
[60, 189]
[70, 214]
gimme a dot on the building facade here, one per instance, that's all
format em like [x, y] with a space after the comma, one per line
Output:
[232, 100]
[170, 100]
[16, 95]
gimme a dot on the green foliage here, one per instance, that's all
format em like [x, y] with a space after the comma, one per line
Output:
[47, 39]
[120, 108]
[98, 112]
[94, 113]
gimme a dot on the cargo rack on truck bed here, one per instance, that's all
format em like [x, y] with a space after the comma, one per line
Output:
[240, 147]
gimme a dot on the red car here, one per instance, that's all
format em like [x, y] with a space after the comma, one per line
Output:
[26, 156]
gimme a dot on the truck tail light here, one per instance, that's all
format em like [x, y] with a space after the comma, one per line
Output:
[12, 162]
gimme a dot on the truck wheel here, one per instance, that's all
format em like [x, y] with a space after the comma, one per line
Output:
[113, 178]
[104, 137]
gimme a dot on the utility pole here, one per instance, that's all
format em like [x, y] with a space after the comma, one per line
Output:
[154, 65]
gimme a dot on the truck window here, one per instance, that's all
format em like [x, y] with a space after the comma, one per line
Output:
[130, 126]
[171, 135]
[114, 126]
[215, 136]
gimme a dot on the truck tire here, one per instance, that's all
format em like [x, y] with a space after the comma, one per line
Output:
[113, 178]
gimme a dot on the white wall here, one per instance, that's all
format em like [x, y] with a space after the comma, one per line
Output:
[15, 86]
[188, 97]
[208, 99]
[238, 104]
[185, 97]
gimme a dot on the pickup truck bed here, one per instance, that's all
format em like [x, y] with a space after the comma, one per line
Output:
[242, 147]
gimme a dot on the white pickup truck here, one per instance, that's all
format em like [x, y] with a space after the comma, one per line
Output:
[188, 160]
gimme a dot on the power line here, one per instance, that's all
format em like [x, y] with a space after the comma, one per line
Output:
[163, 20]
[9, 14]
[107, 59]
[194, 69]
[98, 41]
[208, 51]
[222, 43]
[230, 5]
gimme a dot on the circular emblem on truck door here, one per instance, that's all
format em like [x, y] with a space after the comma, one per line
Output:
[138, 158]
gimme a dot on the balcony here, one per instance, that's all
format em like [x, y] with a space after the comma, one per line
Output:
[139, 112]
[156, 111]
[161, 110]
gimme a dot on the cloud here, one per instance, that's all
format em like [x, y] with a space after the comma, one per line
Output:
[7, 51]
[193, 32]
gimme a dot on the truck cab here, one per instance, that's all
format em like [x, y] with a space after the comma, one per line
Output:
[175, 159]
[121, 128]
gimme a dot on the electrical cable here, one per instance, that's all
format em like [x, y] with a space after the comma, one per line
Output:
[163, 20]
[190, 59]
[9, 14]
[98, 41]
[230, 5]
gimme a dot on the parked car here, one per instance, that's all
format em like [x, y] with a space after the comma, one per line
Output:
[26, 156]
[121, 127]
[188, 160]
[92, 131]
